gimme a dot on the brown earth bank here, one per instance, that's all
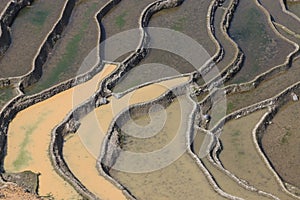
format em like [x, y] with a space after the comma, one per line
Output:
[281, 143]
[13, 192]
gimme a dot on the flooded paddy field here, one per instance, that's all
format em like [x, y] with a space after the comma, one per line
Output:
[240, 156]
[28, 32]
[83, 165]
[294, 7]
[229, 185]
[167, 62]
[281, 143]
[292, 36]
[28, 141]
[3, 4]
[224, 181]
[166, 168]
[275, 9]
[265, 90]
[181, 180]
[262, 47]
[89, 137]
[6, 94]
[189, 182]
[230, 50]
[178, 19]
[78, 40]
[124, 17]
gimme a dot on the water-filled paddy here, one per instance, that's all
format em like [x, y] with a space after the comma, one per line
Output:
[78, 40]
[6, 94]
[240, 156]
[165, 63]
[87, 142]
[281, 143]
[28, 140]
[28, 32]
[182, 178]
[265, 90]
[294, 7]
[262, 47]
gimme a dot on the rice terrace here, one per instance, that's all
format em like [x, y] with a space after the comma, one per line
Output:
[149, 99]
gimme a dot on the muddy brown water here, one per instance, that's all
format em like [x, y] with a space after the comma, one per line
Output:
[241, 158]
[87, 142]
[28, 32]
[262, 47]
[116, 106]
[180, 179]
[28, 140]
[189, 19]
[281, 143]
[78, 40]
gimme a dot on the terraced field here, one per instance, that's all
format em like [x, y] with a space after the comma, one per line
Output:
[144, 99]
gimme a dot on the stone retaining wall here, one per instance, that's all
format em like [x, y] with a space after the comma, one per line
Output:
[36, 73]
[71, 122]
[7, 17]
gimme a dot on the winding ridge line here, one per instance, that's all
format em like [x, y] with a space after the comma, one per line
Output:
[283, 6]
[7, 18]
[67, 126]
[273, 104]
[213, 158]
[237, 62]
[110, 150]
[142, 50]
[21, 101]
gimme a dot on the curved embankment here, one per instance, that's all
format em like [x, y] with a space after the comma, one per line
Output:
[75, 51]
[274, 103]
[7, 18]
[141, 51]
[90, 134]
[218, 147]
[102, 93]
[244, 87]
[280, 143]
[35, 157]
[15, 105]
[280, 16]
[239, 155]
[113, 142]
[230, 70]
[54, 35]
[21, 101]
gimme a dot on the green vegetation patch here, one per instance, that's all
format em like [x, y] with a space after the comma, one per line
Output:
[65, 64]
[120, 21]
[39, 17]
[285, 138]
[179, 24]
[5, 95]
[24, 157]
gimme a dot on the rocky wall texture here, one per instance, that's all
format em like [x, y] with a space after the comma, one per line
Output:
[8, 16]
[48, 45]
[70, 124]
